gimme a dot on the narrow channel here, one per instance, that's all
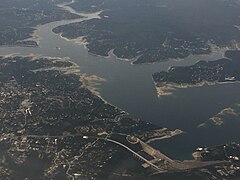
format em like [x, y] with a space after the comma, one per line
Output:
[130, 87]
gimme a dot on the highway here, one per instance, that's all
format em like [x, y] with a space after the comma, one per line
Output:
[184, 165]
[157, 155]
[171, 164]
[154, 153]
[133, 152]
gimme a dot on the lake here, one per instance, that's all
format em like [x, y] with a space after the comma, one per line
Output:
[130, 87]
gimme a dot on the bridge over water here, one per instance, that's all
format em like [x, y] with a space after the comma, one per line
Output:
[167, 163]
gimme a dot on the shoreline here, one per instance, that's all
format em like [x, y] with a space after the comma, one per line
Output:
[173, 133]
[79, 41]
[214, 48]
[165, 89]
[54, 34]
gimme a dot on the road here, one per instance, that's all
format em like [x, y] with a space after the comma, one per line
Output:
[157, 155]
[133, 152]
[173, 164]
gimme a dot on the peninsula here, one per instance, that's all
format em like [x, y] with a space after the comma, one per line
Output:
[225, 70]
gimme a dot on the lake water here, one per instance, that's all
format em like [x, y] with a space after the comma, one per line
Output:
[130, 87]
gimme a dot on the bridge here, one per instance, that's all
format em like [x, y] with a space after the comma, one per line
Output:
[167, 163]
[133, 152]
[159, 162]
[177, 165]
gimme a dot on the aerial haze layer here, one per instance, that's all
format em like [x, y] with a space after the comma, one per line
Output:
[119, 89]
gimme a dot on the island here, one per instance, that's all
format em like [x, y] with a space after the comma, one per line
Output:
[225, 70]
[155, 31]
[54, 127]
